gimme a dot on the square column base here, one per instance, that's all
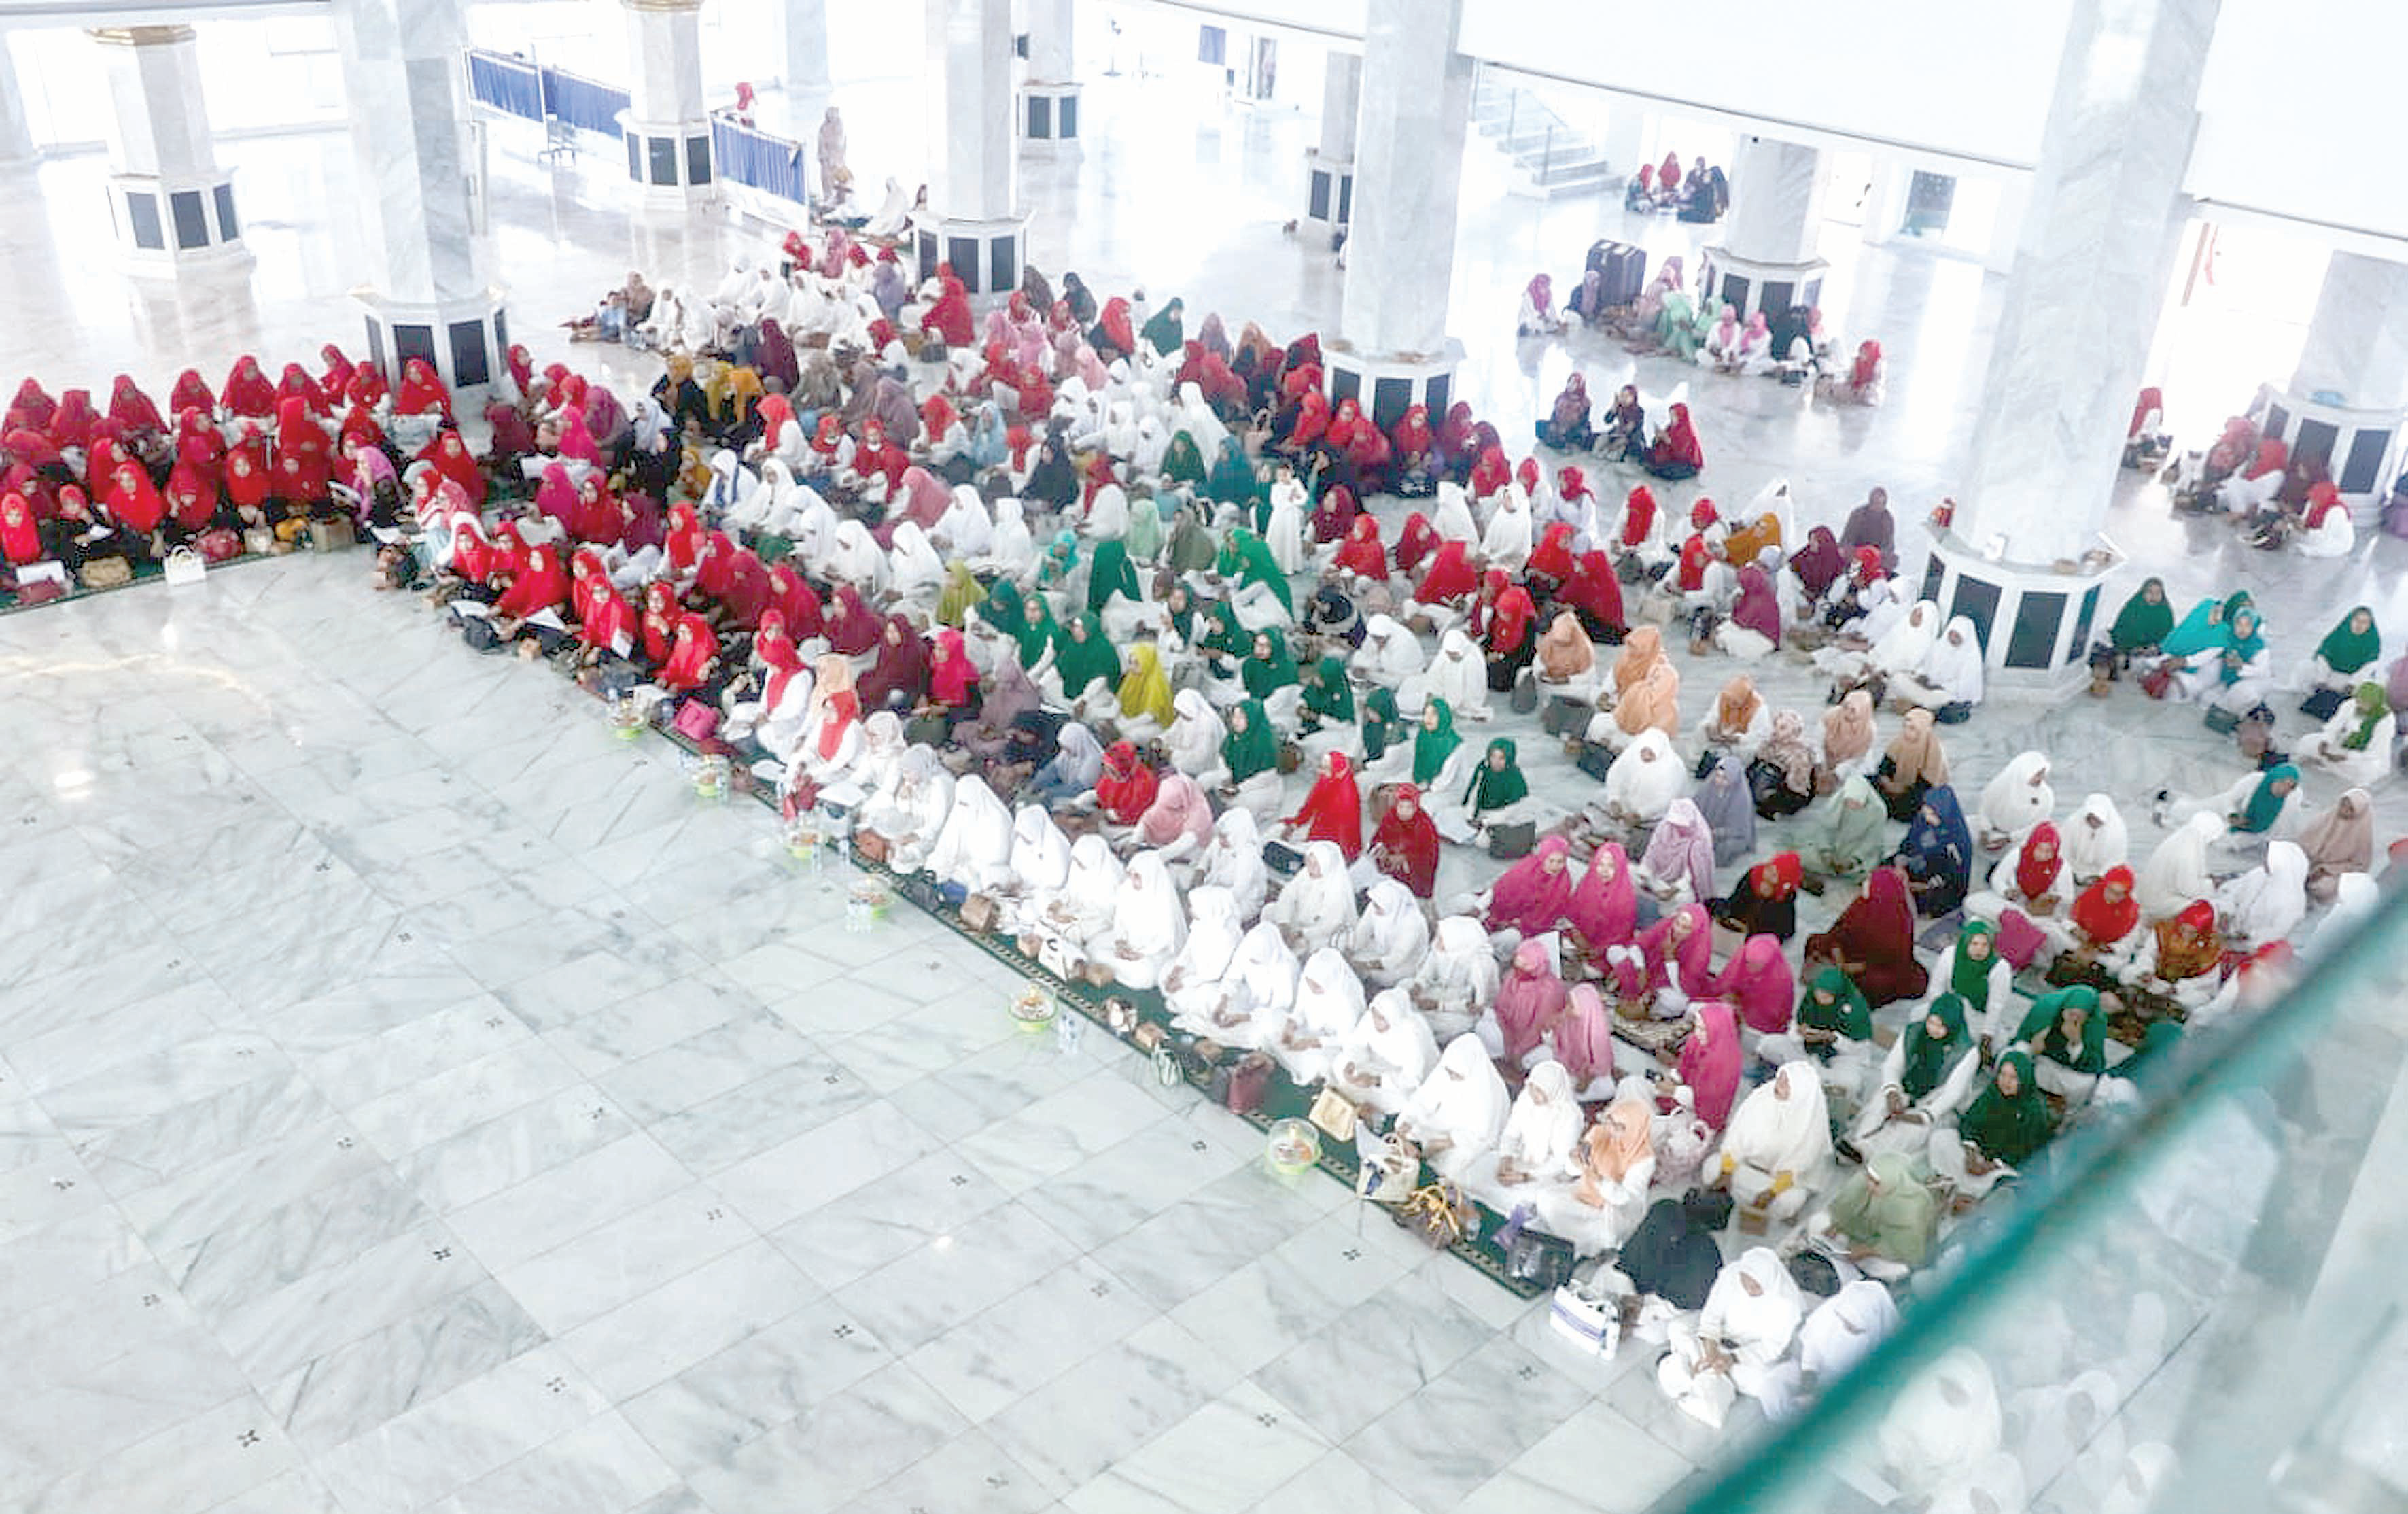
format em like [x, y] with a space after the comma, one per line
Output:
[985, 256]
[669, 161]
[1048, 114]
[175, 225]
[2036, 623]
[1386, 387]
[468, 341]
[2359, 448]
[1749, 285]
[1330, 193]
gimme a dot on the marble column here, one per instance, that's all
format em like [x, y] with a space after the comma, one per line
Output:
[973, 220]
[16, 138]
[2346, 405]
[1392, 349]
[429, 289]
[1624, 140]
[1766, 258]
[666, 125]
[2023, 553]
[804, 34]
[1330, 202]
[172, 204]
[1049, 100]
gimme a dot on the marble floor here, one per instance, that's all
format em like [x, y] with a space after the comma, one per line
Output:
[438, 1107]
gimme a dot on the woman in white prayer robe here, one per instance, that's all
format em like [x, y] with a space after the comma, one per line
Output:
[1942, 1429]
[2176, 873]
[1543, 1130]
[2266, 903]
[2017, 797]
[974, 848]
[1305, 1036]
[856, 559]
[1456, 673]
[1776, 1151]
[1013, 551]
[1233, 859]
[1195, 737]
[1147, 929]
[1391, 936]
[1506, 543]
[2068, 1438]
[1040, 866]
[914, 573]
[1841, 1331]
[1213, 931]
[1315, 908]
[1458, 979]
[965, 531]
[1081, 909]
[1615, 1163]
[1452, 520]
[1901, 1114]
[1391, 1051]
[1645, 780]
[1266, 972]
[1951, 672]
[1285, 531]
[1390, 656]
[1458, 1114]
[1733, 1345]
[911, 814]
[2093, 840]
[1108, 515]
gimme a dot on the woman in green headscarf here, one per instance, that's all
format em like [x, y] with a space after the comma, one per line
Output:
[1003, 610]
[1250, 755]
[1923, 1081]
[2356, 744]
[2067, 1034]
[2343, 659]
[1883, 1219]
[1674, 320]
[1269, 675]
[1083, 657]
[1182, 462]
[1382, 726]
[1975, 972]
[2005, 1127]
[2145, 621]
[1436, 761]
[1037, 631]
[1060, 561]
[1497, 787]
[1143, 537]
[1166, 333]
[1328, 698]
[1853, 837]
[1191, 547]
[1232, 480]
[1109, 573]
[2263, 803]
[1261, 595]
[1832, 1018]
[961, 595]
[1221, 641]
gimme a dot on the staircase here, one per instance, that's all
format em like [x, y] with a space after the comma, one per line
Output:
[1549, 157]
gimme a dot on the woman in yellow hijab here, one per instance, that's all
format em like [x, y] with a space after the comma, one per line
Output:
[1145, 694]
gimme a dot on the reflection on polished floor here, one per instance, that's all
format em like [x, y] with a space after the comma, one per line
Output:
[416, 1099]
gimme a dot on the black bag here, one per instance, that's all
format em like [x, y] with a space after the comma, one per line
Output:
[1281, 858]
[1812, 1272]
[1566, 715]
[2222, 721]
[1622, 271]
[1954, 714]
[1595, 760]
[2323, 704]
[1540, 1259]
[1516, 840]
[1526, 692]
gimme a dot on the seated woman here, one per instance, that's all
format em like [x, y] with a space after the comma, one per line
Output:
[1582, 1039]
[2016, 799]
[1528, 1003]
[1922, 1083]
[1643, 781]
[1625, 431]
[1306, 1035]
[2263, 807]
[1757, 984]
[2265, 905]
[1851, 841]
[1833, 1025]
[1739, 721]
[1566, 426]
[1652, 703]
[1613, 1164]
[974, 847]
[2033, 881]
[1872, 941]
[1458, 1115]
[1764, 902]
[913, 811]
[2140, 628]
[1315, 908]
[1538, 316]
[1248, 773]
[1937, 854]
[2233, 674]
[2179, 957]
[1068, 780]
[1079, 912]
[1390, 1052]
[2324, 529]
[1332, 809]
[2338, 845]
[2349, 655]
[1603, 910]
[1676, 452]
[2002, 1131]
[1882, 1220]
[1949, 679]
[1498, 794]
[1233, 859]
[2066, 1032]
[2356, 744]
[1865, 381]
[1390, 937]
[1979, 976]
[1776, 1152]
[1191, 981]
[1737, 1340]
[1678, 865]
[1670, 966]
[1148, 925]
[1458, 979]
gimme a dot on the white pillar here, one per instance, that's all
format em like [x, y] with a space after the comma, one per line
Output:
[1766, 258]
[428, 291]
[2073, 336]
[666, 125]
[1392, 349]
[803, 25]
[1624, 140]
[1049, 101]
[172, 204]
[1331, 203]
[16, 138]
[2347, 402]
[974, 219]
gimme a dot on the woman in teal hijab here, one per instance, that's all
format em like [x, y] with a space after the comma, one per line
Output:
[1182, 462]
[2066, 1032]
[2351, 647]
[1383, 725]
[1497, 785]
[1081, 656]
[1232, 480]
[1328, 698]
[1037, 631]
[2202, 628]
[1061, 560]
[2273, 792]
[1109, 573]
[1434, 743]
[1249, 750]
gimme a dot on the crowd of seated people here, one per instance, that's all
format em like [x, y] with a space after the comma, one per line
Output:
[1217, 691]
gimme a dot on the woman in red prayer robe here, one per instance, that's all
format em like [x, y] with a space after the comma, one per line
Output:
[1333, 810]
[421, 393]
[693, 657]
[1872, 941]
[21, 535]
[246, 392]
[1418, 540]
[132, 410]
[1361, 552]
[1126, 787]
[1404, 845]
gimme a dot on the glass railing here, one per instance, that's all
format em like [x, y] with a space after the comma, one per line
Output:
[2194, 1305]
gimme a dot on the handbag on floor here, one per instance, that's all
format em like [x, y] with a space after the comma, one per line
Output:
[1566, 715]
[1439, 1215]
[1507, 842]
[1526, 692]
[2322, 704]
[2222, 721]
[105, 573]
[184, 566]
[1536, 1257]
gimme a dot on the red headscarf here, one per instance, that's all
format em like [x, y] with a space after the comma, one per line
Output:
[2271, 455]
[1510, 615]
[246, 392]
[1528, 1002]
[131, 409]
[795, 601]
[1412, 436]
[543, 585]
[1125, 788]
[2322, 499]
[134, 501]
[1709, 1062]
[747, 594]
[1528, 897]
[1868, 363]
[31, 409]
[1553, 555]
[1594, 591]
[1361, 552]
[2037, 875]
[1695, 558]
[1405, 846]
[20, 537]
[1450, 577]
[2105, 920]
[1757, 979]
[690, 655]
[1418, 540]
[1638, 516]
[952, 677]
[1680, 442]
[420, 391]
[1333, 810]
[1490, 474]
[76, 423]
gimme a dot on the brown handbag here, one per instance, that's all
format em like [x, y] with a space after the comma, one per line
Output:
[1249, 1081]
[1437, 1215]
[979, 913]
[870, 846]
[105, 573]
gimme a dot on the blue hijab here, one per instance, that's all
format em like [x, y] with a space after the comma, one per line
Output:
[1938, 850]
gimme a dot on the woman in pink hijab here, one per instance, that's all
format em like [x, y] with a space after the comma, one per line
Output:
[1603, 910]
[924, 501]
[1679, 863]
[1583, 1040]
[1673, 959]
[1529, 896]
[1179, 821]
[1709, 1062]
[1528, 1003]
[1758, 981]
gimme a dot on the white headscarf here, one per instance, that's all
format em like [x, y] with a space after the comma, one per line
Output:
[1093, 885]
[2176, 873]
[1391, 936]
[1146, 914]
[1506, 543]
[1195, 734]
[1318, 902]
[1903, 648]
[1013, 549]
[2091, 850]
[1081, 759]
[1404, 1047]
[1647, 777]
[1328, 998]
[1760, 1323]
[1945, 1421]
[856, 558]
[1544, 1124]
[913, 566]
[1844, 1328]
[2355, 896]
[1040, 853]
[2267, 902]
[1460, 961]
[967, 529]
[1463, 1099]
[1783, 1135]
[1953, 664]
[1268, 970]
[1459, 674]
[2011, 802]
[1212, 935]
[1451, 520]
[977, 835]
[1233, 859]
[1389, 653]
